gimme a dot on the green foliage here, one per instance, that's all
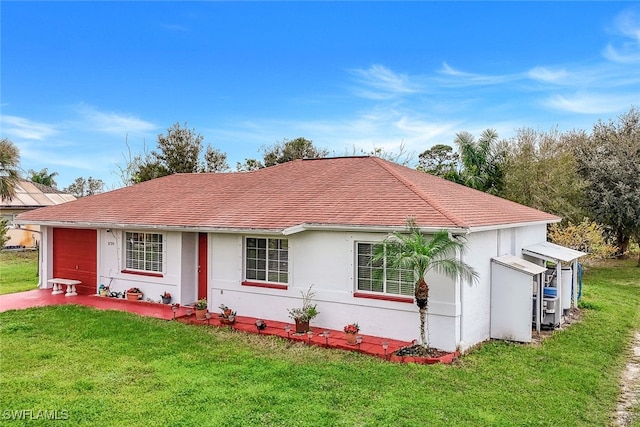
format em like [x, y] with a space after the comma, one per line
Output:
[586, 236]
[282, 152]
[414, 251]
[201, 304]
[114, 368]
[215, 160]
[308, 310]
[179, 151]
[82, 187]
[288, 150]
[477, 164]
[610, 163]
[18, 271]
[43, 177]
[249, 165]
[439, 160]
[541, 172]
[9, 169]
[4, 229]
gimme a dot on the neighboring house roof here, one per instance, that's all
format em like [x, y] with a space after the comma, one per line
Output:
[347, 192]
[32, 195]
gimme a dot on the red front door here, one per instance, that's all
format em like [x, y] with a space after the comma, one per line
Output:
[202, 265]
[75, 257]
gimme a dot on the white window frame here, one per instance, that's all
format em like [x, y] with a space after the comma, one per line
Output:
[148, 263]
[403, 286]
[271, 265]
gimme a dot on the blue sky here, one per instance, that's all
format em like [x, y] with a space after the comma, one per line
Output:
[78, 79]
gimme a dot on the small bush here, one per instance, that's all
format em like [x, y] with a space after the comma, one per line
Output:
[587, 236]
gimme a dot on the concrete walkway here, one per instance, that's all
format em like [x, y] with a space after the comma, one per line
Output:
[371, 345]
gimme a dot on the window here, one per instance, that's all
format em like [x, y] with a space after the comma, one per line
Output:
[144, 251]
[267, 260]
[377, 277]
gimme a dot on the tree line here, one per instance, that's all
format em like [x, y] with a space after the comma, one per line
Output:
[574, 175]
[591, 180]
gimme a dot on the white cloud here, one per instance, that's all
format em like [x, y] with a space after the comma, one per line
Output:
[624, 55]
[548, 75]
[175, 27]
[462, 78]
[585, 103]
[20, 127]
[626, 25]
[114, 123]
[382, 83]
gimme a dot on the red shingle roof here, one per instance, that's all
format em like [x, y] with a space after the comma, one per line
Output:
[347, 191]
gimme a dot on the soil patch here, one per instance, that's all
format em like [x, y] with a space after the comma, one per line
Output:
[419, 351]
[629, 388]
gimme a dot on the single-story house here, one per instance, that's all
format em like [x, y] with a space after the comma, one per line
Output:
[29, 196]
[255, 240]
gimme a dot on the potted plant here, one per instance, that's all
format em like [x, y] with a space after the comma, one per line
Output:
[350, 332]
[201, 309]
[227, 316]
[166, 298]
[303, 315]
[134, 294]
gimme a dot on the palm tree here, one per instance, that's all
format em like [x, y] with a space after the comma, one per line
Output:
[9, 176]
[414, 251]
[43, 177]
[481, 162]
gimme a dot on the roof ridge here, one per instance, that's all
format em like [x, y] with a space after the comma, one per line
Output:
[434, 203]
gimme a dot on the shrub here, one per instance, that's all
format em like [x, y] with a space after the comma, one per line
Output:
[587, 236]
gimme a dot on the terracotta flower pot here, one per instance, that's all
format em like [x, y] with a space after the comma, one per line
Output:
[201, 314]
[351, 338]
[132, 296]
[301, 327]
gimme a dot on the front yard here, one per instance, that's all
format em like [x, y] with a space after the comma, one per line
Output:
[18, 271]
[111, 368]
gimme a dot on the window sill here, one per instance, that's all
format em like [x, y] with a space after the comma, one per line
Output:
[265, 285]
[143, 273]
[383, 297]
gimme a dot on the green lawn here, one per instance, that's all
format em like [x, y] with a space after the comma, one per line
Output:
[18, 271]
[112, 368]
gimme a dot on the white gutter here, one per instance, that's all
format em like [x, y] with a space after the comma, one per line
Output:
[122, 226]
[363, 228]
[512, 225]
[299, 228]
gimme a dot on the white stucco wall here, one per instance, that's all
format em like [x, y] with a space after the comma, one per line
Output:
[458, 312]
[326, 260]
[45, 267]
[111, 263]
[476, 298]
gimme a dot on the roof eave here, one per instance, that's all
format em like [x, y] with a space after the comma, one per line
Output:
[124, 226]
[363, 228]
[476, 229]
